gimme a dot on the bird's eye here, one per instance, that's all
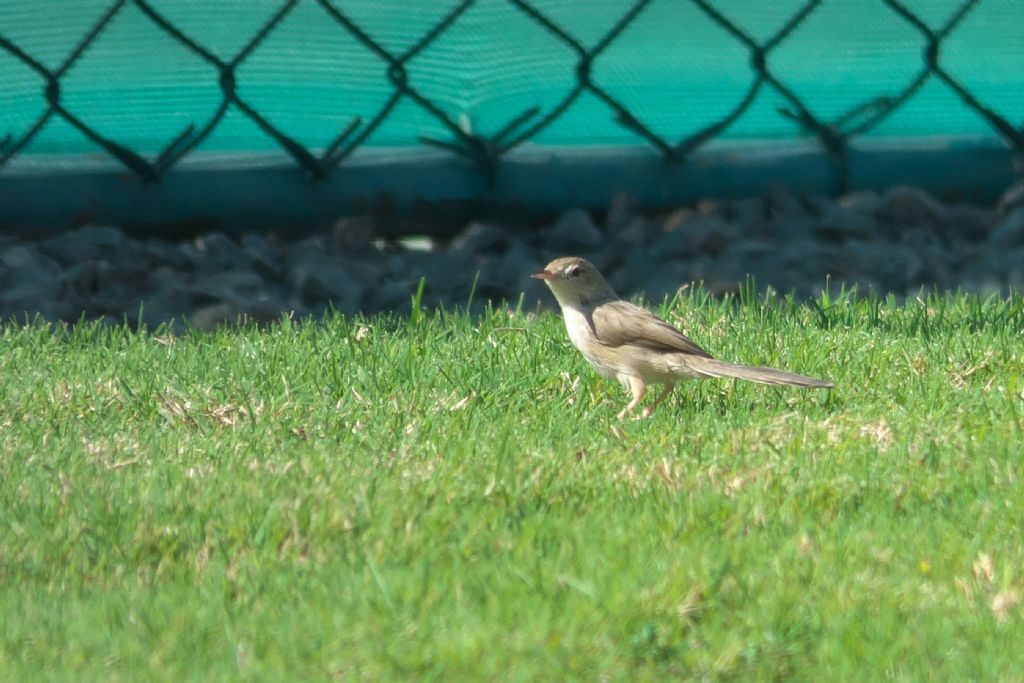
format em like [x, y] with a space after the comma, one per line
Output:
[573, 271]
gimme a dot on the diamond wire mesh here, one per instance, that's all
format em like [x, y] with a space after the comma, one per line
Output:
[586, 60]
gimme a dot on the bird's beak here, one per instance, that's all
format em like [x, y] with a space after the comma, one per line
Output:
[544, 275]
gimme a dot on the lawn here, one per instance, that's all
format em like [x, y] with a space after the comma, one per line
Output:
[438, 496]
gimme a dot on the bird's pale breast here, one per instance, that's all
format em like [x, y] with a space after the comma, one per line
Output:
[582, 337]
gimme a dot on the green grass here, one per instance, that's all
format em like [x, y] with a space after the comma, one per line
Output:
[444, 497]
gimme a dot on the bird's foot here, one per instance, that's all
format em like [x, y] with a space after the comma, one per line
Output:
[641, 415]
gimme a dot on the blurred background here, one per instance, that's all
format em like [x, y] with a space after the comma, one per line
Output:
[217, 161]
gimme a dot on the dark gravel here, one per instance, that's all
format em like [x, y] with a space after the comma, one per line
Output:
[894, 242]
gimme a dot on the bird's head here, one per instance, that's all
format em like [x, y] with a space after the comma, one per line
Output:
[575, 282]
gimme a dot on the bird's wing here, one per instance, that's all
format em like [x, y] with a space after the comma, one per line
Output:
[619, 322]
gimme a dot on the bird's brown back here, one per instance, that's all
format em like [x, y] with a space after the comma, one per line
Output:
[617, 323]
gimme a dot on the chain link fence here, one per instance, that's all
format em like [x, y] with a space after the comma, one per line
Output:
[584, 51]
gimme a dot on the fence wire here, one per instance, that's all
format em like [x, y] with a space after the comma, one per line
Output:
[487, 151]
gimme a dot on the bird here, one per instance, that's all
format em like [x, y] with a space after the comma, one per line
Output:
[626, 342]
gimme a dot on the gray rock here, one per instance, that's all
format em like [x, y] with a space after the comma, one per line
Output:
[264, 258]
[217, 250]
[969, 222]
[865, 202]
[780, 202]
[166, 303]
[837, 222]
[167, 277]
[985, 271]
[369, 270]
[481, 238]
[449, 270]
[85, 279]
[605, 259]
[536, 297]
[631, 275]
[718, 277]
[237, 287]
[353, 233]
[212, 316]
[266, 307]
[259, 307]
[895, 266]
[86, 243]
[637, 232]
[27, 264]
[936, 259]
[751, 215]
[863, 285]
[749, 256]
[1014, 260]
[389, 296]
[409, 266]
[985, 287]
[664, 282]
[502, 275]
[741, 250]
[317, 277]
[1012, 199]
[892, 243]
[701, 234]
[105, 271]
[796, 266]
[30, 282]
[111, 281]
[903, 205]
[162, 254]
[529, 290]
[1010, 230]
[676, 218]
[621, 213]
[574, 232]
[792, 227]
[811, 260]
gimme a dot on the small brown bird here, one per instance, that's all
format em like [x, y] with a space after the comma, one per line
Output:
[632, 345]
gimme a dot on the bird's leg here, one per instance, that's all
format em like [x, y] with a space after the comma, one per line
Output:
[649, 410]
[637, 388]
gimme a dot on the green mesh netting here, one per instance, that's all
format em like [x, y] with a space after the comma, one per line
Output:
[137, 79]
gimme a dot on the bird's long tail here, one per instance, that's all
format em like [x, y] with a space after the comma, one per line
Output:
[717, 368]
